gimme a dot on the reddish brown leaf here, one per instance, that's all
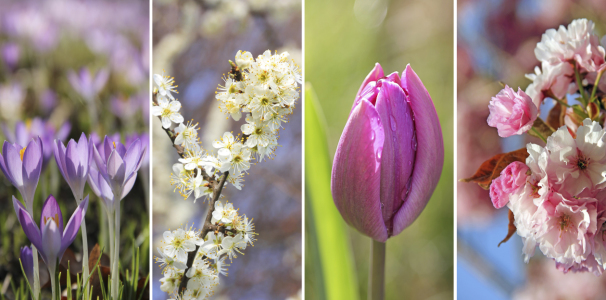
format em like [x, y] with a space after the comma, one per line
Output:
[93, 257]
[555, 119]
[492, 168]
[511, 229]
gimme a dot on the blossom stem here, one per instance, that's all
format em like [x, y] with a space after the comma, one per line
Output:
[539, 135]
[110, 222]
[577, 77]
[36, 264]
[53, 283]
[85, 271]
[376, 278]
[36, 273]
[595, 85]
[115, 266]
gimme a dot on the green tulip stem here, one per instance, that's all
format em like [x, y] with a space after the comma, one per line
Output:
[376, 279]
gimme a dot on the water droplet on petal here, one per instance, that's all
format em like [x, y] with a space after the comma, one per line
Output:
[393, 123]
[409, 162]
[382, 205]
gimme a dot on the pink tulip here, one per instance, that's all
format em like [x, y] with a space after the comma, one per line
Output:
[390, 155]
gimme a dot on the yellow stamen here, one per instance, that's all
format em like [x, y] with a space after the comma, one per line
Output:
[55, 218]
[21, 152]
[114, 145]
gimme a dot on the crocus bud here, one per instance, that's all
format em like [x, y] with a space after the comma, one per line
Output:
[390, 155]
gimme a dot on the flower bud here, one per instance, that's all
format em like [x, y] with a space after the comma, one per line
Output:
[512, 113]
[390, 155]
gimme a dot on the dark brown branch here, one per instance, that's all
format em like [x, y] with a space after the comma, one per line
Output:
[208, 226]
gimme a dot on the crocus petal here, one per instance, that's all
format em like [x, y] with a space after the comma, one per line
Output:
[63, 131]
[50, 210]
[101, 188]
[32, 166]
[75, 169]
[356, 172]
[128, 185]
[4, 169]
[73, 225]
[18, 205]
[59, 151]
[429, 161]
[51, 239]
[116, 172]
[13, 164]
[30, 228]
[398, 156]
[132, 157]
[99, 161]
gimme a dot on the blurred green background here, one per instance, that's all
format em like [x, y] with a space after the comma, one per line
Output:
[343, 40]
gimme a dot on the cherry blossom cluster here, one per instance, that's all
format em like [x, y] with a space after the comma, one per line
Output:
[265, 90]
[572, 61]
[558, 196]
[234, 232]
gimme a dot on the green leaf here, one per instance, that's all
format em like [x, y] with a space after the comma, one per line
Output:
[331, 257]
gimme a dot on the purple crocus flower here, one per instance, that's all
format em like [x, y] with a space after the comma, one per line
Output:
[88, 85]
[36, 127]
[390, 155]
[51, 239]
[10, 54]
[73, 162]
[27, 261]
[144, 137]
[22, 167]
[117, 165]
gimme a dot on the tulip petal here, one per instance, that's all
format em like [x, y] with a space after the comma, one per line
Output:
[430, 158]
[356, 172]
[398, 156]
[375, 74]
[50, 210]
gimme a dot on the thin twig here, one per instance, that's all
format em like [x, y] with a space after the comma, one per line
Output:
[191, 256]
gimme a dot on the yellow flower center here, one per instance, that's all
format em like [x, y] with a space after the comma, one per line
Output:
[55, 218]
[21, 153]
[114, 145]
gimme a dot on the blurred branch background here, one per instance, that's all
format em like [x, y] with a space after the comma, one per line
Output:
[496, 41]
[68, 67]
[193, 41]
[344, 39]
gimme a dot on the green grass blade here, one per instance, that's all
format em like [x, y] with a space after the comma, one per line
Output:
[327, 232]
[101, 282]
[25, 276]
[69, 282]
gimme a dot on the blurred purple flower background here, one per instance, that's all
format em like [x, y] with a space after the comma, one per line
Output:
[63, 64]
